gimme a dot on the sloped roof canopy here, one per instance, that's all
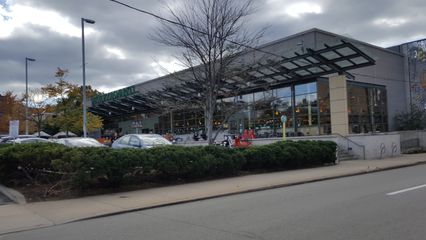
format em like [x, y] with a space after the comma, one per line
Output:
[64, 134]
[41, 134]
[268, 74]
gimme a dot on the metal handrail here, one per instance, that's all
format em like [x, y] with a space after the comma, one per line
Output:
[356, 144]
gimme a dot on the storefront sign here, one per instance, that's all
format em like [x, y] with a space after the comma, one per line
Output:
[137, 124]
[113, 95]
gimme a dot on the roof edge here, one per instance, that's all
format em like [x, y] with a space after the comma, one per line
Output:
[312, 30]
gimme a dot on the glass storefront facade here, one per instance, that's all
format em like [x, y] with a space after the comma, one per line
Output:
[261, 112]
[306, 106]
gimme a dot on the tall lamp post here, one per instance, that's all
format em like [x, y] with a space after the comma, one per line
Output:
[83, 20]
[26, 92]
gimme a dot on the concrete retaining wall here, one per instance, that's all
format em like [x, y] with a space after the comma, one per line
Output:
[377, 146]
[413, 140]
[263, 141]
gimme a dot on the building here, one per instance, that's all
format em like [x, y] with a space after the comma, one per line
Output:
[322, 82]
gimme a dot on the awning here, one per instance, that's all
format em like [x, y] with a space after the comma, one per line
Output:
[64, 134]
[171, 91]
[41, 134]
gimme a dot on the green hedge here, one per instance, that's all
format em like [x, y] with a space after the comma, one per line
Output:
[28, 157]
[290, 155]
[89, 167]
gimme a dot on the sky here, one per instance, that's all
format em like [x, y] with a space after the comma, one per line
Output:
[120, 53]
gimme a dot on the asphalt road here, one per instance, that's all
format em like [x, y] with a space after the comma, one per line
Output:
[384, 205]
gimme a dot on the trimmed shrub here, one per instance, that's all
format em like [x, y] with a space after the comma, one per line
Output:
[106, 167]
[290, 155]
[16, 160]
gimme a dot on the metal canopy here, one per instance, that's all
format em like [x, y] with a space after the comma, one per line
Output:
[266, 74]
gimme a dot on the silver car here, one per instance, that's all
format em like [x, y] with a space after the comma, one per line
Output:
[79, 142]
[6, 139]
[28, 140]
[140, 141]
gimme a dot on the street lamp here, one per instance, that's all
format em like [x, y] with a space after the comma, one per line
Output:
[83, 20]
[26, 92]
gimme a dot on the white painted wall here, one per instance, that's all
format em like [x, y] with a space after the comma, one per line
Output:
[377, 146]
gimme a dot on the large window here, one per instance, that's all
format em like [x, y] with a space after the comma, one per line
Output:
[189, 121]
[306, 109]
[298, 102]
[324, 106]
[367, 108]
[262, 111]
[269, 107]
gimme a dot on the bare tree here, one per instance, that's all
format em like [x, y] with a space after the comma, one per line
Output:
[40, 109]
[210, 33]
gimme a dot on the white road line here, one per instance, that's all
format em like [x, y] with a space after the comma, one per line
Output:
[406, 190]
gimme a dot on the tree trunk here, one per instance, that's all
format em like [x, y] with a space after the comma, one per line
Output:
[209, 116]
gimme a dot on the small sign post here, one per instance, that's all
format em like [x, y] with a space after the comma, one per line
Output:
[284, 120]
[14, 128]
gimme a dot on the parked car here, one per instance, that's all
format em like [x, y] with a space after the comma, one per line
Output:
[28, 140]
[140, 141]
[79, 142]
[8, 138]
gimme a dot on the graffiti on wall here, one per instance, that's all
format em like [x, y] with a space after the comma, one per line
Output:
[417, 72]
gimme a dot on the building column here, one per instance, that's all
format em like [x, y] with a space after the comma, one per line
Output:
[339, 105]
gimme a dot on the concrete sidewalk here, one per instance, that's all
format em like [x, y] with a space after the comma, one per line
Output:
[19, 217]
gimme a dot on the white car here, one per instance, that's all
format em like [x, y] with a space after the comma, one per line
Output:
[6, 139]
[140, 141]
[79, 142]
[28, 140]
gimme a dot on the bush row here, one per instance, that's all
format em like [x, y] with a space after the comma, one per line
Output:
[290, 155]
[88, 167]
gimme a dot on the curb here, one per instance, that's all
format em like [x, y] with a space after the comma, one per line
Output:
[248, 191]
[223, 195]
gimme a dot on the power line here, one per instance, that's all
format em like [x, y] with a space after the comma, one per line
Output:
[194, 29]
[221, 38]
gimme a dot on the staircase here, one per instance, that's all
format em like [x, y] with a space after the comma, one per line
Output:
[346, 149]
[345, 156]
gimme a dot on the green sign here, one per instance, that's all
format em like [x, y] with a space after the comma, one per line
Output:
[113, 95]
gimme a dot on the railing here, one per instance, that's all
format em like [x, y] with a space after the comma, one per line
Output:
[410, 144]
[354, 143]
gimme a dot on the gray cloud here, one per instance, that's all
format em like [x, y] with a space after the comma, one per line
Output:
[125, 29]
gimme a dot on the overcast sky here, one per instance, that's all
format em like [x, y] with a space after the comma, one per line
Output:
[119, 52]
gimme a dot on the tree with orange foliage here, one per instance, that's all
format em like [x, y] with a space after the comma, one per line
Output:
[68, 108]
[11, 108]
